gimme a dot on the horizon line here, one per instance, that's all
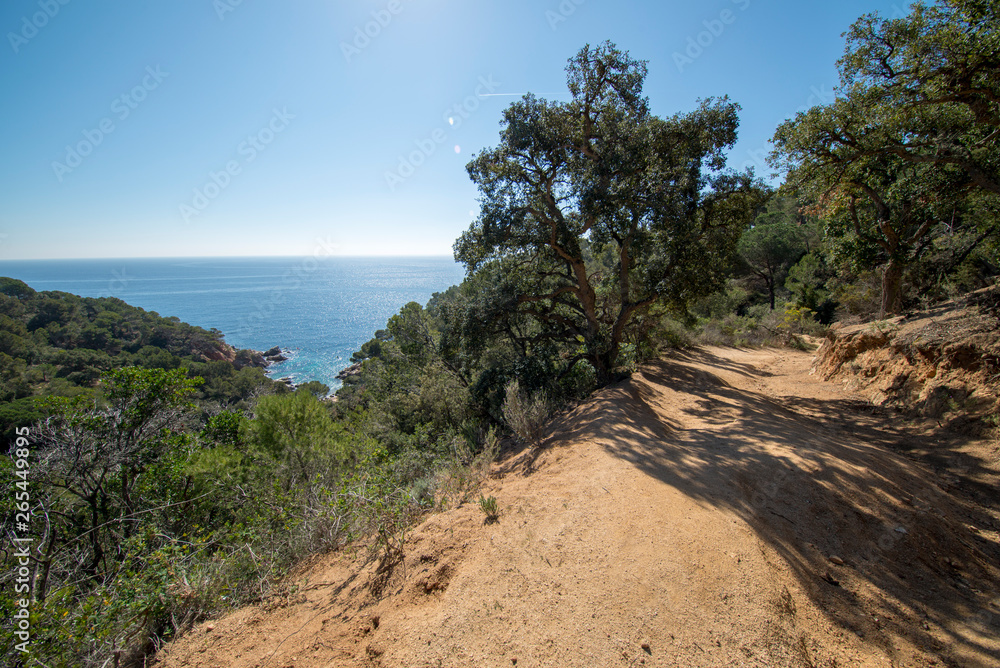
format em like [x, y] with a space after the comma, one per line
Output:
[228, 257]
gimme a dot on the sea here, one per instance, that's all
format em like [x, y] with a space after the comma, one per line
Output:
[317, 310]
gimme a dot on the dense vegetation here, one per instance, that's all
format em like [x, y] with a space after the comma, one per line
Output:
[58, 344]
[906, 162]
[167, 488]
[595, 211]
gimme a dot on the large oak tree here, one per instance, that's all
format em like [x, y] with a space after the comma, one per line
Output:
[931, 80]
[910, 146]
[602, 176]
[881, 208]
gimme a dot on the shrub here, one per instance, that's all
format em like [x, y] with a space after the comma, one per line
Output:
[673, 334]
[525, 415]
[800, 320]
[489, 507]
[860, 298]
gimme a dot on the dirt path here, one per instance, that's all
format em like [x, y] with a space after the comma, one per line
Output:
[722, 508]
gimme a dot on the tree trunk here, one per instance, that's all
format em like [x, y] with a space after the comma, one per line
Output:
[602, 368]
[892, 289]
[95, 538]
[42, 582]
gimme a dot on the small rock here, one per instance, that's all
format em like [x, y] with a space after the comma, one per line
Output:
[209, 628]
[834, 559]
[513, 660]
[901, 530]
[353, 370]
[645, 646]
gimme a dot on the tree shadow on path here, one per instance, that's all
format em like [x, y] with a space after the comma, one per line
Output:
[816, 478]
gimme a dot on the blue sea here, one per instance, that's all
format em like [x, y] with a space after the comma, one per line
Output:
[319, 310]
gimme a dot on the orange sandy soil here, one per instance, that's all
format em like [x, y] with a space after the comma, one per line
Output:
[723, 507]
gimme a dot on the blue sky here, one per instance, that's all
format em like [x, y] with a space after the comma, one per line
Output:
[258, 127]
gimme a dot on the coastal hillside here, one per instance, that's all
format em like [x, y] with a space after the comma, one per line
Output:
[720, 507]
[59, 344]
[613, 441]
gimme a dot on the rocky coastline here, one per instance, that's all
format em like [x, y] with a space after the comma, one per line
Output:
[245, 357]
[350, 371]
[265, 358]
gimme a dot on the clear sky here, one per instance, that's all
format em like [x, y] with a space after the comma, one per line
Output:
[258, 127]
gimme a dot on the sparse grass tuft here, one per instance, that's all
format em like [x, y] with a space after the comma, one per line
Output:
[490, 508]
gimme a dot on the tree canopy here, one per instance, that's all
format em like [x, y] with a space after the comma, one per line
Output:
[931, 80]
[600, 176]
[909, 149]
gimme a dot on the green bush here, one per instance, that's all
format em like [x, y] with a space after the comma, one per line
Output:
[490, 508]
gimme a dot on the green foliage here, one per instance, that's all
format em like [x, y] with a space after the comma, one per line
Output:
[601, 179]
[299, 434]
[372, 348]
[97, 460]
[604, 232]
[798, 320]
[225, 429]
[490, 508]
[55, 343]
[931, 84]
[16, 414]
[880, 208]
[807, 282]
[673, 334]
[415, 388]
[905, 156]
[12, 287]
[154, 526]
[316, 388]
[859, 294]
[773, 243]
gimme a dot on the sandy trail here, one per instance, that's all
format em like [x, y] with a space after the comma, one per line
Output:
[722, 508]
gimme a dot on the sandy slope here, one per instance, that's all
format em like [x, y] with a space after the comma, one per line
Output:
[686, 517]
